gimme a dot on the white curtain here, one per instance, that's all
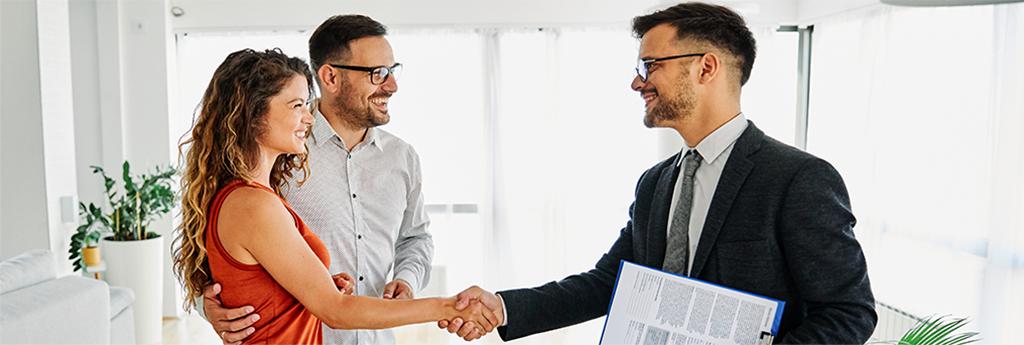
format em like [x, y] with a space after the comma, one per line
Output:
[920, 110]
[531, 142]
[570, 146]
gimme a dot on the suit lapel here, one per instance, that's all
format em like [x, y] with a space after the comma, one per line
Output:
[735, 173]
[662, 201]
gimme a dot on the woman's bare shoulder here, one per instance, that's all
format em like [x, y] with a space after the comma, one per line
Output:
[251, 209]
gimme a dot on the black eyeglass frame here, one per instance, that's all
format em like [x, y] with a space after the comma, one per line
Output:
[376, 70]
[645, 64]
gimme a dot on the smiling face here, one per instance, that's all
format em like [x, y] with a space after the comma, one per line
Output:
[668, 93]
[361, 102]
[288, 120]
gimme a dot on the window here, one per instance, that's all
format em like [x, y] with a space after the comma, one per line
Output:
[905, 105]
[531, 142]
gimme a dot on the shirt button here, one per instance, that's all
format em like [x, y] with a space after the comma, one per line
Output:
[353, 195]
[359, 237]
[349, 156]
[360, 278]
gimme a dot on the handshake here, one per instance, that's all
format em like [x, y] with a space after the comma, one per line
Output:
[476, 313]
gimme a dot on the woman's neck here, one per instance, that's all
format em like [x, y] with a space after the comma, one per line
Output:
[261, 174]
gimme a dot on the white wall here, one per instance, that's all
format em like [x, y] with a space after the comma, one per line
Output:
[200, 15]
[306, 14]
[85, 76]
[148, 102]
[809, 11]
[1, 132]
[58, 122]
[38, 129]
[23, 202]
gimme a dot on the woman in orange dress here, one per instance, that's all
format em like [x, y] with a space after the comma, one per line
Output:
[249, 138]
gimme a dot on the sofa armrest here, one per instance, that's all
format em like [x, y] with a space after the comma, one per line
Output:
[69, 310]
[27, 269]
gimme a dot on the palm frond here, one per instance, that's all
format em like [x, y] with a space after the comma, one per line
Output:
[939, 331]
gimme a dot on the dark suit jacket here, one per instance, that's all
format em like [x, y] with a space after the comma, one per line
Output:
[779, 225]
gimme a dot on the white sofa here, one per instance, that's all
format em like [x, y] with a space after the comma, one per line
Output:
[37, 307]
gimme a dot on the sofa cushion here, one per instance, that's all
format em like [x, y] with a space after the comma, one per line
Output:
[27, 269]
[120, 299]
[69, 310]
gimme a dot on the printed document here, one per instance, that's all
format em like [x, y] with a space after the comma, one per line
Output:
[653, 307]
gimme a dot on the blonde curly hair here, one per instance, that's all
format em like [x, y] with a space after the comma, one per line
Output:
[223, 147]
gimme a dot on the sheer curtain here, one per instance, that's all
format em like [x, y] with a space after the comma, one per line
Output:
[531, 143]
[919, 109]
[570, 146]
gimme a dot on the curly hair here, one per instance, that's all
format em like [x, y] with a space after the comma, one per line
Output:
[223, 147]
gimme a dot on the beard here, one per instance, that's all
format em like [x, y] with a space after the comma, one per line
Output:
[672, 107]
[359, 114]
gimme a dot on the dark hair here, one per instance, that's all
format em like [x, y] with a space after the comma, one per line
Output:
[712, 24]
[330, 40]
[223, 147]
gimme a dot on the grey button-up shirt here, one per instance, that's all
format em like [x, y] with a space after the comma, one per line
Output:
[367, 207]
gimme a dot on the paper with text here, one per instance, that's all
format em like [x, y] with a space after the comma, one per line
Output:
[653, 307]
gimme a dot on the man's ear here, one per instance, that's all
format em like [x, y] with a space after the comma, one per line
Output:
[710, 67]
[328, 80]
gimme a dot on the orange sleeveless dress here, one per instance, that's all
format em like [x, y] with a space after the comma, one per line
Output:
[283, 320]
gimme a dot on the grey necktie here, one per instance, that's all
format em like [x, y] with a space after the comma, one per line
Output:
[677, 252]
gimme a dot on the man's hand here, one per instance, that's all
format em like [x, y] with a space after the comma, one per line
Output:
[468, 331]
[345, 283]
[231, 325]
[399, 289]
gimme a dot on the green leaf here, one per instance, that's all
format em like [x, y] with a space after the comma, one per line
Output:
[129, 183]
[946, 330]
[143, 198]
[960, 339]
[92, 238]
[938, 330]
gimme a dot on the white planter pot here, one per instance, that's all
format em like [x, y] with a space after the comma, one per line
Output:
[138, 265]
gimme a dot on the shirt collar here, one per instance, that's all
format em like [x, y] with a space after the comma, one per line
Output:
[718, 141]
[373, 138]
[323, 132]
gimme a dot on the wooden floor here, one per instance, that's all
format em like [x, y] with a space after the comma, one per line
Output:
[190, 329]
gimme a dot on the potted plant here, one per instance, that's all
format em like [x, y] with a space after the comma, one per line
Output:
[134, 255]
[84, 250]
[141, 202]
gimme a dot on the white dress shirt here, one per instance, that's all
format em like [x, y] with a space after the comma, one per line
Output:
[715, 150]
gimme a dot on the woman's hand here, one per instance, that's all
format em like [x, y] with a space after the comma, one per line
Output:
[345, 283]
[477, 315]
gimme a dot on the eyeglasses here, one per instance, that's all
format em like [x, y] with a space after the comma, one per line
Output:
[643, 66]
[378, 75]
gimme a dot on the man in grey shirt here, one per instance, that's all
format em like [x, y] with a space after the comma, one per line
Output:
[363, 196]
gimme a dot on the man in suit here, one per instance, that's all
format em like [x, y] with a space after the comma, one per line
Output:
[734, 207]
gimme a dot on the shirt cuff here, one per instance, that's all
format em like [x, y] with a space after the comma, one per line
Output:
[409, 277]
[504, 311]
[199, 307]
